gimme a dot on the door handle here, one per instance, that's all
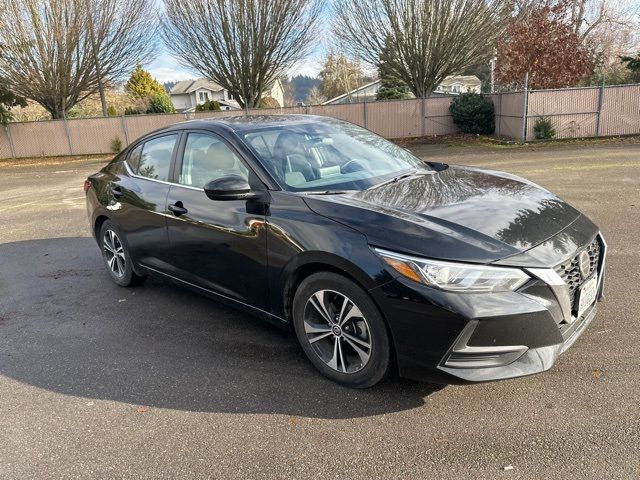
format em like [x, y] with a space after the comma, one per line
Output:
[116, 191]
[178, 209]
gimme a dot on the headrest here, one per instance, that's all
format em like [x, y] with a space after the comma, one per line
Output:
[221, 157]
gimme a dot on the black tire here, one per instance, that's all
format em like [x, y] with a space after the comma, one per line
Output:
[120, 266]
[335, 354]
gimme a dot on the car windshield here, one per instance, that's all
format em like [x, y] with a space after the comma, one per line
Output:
[317, 157]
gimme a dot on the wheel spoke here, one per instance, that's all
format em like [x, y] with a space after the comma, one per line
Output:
[319, 337]
[345, 304]
[111, 262]
[120, 265]
[107, 247]
[317, 300]
[333, 363]
[308, 328]
[364, 356]
[357, 340]
[344, 365]
[353, 313]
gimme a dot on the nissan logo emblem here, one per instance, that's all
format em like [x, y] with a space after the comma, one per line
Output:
[584, 263]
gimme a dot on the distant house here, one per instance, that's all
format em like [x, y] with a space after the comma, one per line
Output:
[187, 94]
[453, 85]
[457, 84]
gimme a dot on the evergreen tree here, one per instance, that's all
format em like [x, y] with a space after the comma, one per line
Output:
[391, 86]
[7, 100]
[141, 84]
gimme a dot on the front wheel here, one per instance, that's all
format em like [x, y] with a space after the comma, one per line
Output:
[116, 256]
[341, 330]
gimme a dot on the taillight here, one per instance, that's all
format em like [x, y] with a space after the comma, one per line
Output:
[86, 186]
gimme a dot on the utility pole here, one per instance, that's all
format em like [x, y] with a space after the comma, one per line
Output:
[492, 64]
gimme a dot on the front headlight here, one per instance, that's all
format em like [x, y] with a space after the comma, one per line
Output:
[458, 277]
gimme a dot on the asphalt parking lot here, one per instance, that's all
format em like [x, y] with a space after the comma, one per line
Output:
[158, 382]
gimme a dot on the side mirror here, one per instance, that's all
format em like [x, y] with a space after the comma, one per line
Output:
[231, 187]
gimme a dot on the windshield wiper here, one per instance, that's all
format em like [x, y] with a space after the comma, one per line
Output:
[328, 192]
[395, 179]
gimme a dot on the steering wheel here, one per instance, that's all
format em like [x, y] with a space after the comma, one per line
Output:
[352, 166]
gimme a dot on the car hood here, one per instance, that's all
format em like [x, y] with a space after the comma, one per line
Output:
[460, 213]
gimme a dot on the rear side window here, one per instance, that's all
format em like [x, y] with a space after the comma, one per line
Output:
[134, 158]
[153, 158]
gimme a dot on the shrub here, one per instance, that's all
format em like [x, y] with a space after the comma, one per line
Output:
[74, 113]
[111, 111]
[543, 129]
[116, 145]
[160, 103]
[132, 111]
[208, 106]
[473, 113]
[5, 115]
[269, 102]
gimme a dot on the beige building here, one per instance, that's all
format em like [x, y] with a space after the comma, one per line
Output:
[186, 95]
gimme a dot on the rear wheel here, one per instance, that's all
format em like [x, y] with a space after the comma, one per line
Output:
[116, 256]
[341, 330]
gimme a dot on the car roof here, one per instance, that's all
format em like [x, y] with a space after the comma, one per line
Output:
[239, 123]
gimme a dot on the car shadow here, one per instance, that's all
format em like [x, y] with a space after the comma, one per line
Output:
[65, 327]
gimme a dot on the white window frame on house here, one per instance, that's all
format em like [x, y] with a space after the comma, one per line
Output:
[203, 96]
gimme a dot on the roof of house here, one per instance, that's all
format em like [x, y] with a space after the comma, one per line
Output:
[464, 79]
[447, 82]
[352, 93]
[188, 86]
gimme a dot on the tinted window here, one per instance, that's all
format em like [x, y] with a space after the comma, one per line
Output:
[207, 158]
[155, 159]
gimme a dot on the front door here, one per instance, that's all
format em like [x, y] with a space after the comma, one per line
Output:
[217, 245]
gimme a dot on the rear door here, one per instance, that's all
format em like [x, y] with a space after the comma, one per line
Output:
[140, 206]
[219, 245]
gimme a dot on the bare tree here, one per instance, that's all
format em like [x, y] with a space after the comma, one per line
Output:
[58, 52]
[339, 75]
[243, 45]
[45, 52]
[428, 40]
[122, 34]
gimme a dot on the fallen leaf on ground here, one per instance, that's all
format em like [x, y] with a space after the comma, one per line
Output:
[597, 373]
[141, 410]
[293, 421]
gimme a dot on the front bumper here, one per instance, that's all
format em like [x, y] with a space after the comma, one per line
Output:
[526, 361]
[460, 337]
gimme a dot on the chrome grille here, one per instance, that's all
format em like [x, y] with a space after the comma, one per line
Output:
[570, 271]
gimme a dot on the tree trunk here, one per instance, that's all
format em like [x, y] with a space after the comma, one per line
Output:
[103, 100]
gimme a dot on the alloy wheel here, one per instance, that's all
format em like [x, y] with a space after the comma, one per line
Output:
[114, 253]
[337, 331]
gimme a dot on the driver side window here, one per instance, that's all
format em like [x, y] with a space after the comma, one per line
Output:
[208, 158]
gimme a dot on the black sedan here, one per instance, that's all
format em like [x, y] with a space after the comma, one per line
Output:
[376, 259]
